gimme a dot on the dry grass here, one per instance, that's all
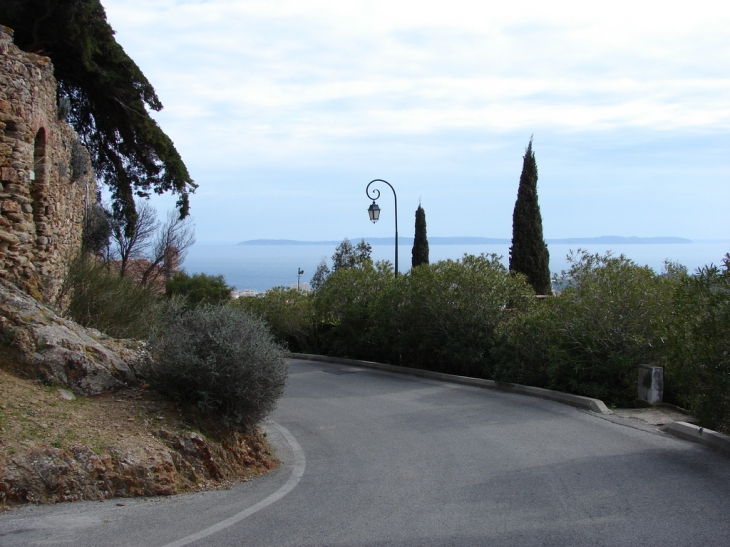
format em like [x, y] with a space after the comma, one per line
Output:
[137, 423]
[31, 413]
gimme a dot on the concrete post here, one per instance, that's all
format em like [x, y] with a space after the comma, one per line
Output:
[651, 384]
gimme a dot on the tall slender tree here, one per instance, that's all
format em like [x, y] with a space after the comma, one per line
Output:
[420, 242]
[528, 254]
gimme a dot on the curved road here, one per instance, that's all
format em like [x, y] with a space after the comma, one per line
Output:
[374, 459]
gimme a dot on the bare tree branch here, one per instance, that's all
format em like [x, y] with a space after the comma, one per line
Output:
[170, 247]
[126, 247]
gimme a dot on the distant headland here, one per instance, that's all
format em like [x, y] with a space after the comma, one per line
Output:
[602, 240]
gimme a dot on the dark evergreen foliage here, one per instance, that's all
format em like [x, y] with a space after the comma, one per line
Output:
[97, 230]
[199, 288]
[346, 256]
[420, 241]
[108, 97]
[528, 254]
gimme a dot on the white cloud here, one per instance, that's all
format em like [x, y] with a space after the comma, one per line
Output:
[259, 90]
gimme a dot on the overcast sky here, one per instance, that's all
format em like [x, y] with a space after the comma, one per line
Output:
[284, 110]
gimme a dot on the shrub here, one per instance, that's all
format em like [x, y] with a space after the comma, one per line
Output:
[221, 359]
[442, 316]
[699, 361]
[438, 317]
[610, 317]
[93, 297]
[199, 288]
[344, 308]
[289, 314]
[524, 345]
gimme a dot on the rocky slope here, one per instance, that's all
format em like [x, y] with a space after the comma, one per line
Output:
[57, 447]
[37, 343]
[77, 423]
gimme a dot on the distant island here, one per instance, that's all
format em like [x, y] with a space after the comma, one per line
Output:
[602, 240]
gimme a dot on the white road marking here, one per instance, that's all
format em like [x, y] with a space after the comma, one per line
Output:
[296, 475]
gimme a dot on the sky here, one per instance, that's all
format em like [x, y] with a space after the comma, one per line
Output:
[284, 110]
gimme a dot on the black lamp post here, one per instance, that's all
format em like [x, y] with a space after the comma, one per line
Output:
[374, 212]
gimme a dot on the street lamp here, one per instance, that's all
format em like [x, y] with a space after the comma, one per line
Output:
[374, 212]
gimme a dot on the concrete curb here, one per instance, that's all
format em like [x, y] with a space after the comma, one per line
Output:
[707, 437]
[586, 403]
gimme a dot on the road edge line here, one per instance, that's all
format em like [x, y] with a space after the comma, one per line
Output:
[300, 463]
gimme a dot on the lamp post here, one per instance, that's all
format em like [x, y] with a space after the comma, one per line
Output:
[374, 212]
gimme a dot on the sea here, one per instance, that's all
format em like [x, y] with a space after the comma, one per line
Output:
[261, 267]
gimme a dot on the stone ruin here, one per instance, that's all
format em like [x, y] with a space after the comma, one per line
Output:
[45, 173]
[46, 185]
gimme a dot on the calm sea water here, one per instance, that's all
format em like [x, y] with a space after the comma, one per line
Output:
[260, 267]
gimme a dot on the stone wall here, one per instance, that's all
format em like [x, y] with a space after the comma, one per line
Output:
[46, 176]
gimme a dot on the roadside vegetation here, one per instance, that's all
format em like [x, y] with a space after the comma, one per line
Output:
[94, 297]
[473, 317]
[202, 350]
[219, 358]
[205, 377]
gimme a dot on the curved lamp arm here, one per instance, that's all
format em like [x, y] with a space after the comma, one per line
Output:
[376, 195]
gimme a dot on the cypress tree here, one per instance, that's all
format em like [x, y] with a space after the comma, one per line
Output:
[528, 254]
[420, 242]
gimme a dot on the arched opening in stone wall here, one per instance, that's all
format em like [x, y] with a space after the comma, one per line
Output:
[38, 187]
[39, 156]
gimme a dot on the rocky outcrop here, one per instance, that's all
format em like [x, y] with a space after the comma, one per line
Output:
[36, 342]
[180, 463]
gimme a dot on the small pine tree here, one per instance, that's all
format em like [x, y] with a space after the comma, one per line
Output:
[528, 254]
[420, 242]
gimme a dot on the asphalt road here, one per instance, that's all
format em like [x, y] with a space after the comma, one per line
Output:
[375, 459]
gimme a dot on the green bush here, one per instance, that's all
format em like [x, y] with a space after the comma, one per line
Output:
[93, 297]
[442, 316]
[199, 288]
[610, 317]
[289, 314]
[438, 316]
[220, 358]
[699, 362]
[345, 308]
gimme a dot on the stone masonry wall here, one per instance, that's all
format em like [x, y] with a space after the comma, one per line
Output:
[45, 174]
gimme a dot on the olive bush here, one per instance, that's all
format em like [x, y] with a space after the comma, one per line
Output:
[220, 358]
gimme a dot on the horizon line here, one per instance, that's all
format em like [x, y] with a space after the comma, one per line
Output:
[476, 240]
